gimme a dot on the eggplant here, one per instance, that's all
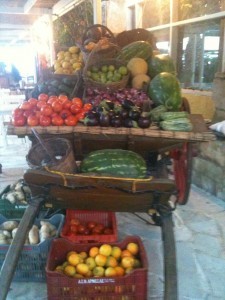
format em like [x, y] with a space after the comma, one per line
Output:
[91, 119]
[129, 123]
[104, 118]
[107, 104]
[127, 104]
[116, 121]
[124, 113]
[144, 122]
[135, 114]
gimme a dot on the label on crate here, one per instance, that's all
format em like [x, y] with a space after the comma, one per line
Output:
[96, 280]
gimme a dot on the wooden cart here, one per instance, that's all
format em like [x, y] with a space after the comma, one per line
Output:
[76, 191]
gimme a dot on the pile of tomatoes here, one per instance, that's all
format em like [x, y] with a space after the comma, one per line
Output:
[50, 110]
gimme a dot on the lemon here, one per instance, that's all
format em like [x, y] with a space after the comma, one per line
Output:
[74, 49]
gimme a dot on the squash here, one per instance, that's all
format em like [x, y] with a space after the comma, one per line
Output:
[137, 66]
[140, 81]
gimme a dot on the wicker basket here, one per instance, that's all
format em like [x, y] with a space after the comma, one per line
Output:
[103, 33]
[37, 158]
[112, 86]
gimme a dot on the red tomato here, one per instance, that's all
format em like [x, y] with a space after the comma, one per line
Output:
[65, 113]
[62, 97]
[43, 97]
[45, 120]
[27, 113]
[32, 120]
[67, 104]
[33, 102]
[81, 115]
[46, 110]
[17, 112]
[57, 121]
[41, 103]
[91, 224]
[52, 99]
[81, 229]
[73, 228]
[71, 121]
[57, 106]
[87, 106]
[19, 121]
[77, 101]
[26, 105]
[75, 109]
[38, 113]
[74, 221]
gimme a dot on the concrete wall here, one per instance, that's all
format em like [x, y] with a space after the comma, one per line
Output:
[209, 167]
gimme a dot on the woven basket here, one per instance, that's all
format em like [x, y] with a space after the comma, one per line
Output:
[104, 33]
[37, 158]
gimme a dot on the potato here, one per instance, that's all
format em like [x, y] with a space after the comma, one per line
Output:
[51, 226]
[9, 225]
[33, 235]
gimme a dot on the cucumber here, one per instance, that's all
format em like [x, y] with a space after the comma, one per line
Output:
[181, 124]
[115, 162]
[173, 115]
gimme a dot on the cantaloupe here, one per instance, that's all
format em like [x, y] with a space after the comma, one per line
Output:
[137, 65]
[140, 80]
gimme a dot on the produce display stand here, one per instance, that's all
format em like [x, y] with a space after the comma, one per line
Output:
[85, 192]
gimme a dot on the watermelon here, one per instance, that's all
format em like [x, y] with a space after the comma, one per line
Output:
[160, 63]
[139, 49]
[115, 162]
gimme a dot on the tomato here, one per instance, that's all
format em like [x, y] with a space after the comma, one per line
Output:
[33, 102]
[26, 105]
[67, 104]
[62, 97]
[87, 106]
[17, 112]
[46, 110]
[77, 101]
[57, 106]
[41, 103]
[65, 113]
[75, 109]
[19, 121]
[43, 97]
[27, 113]
[45, 120]
[32, 120]
[38, 113]
[81, 115]
[71, 121]
[52, 99]
[57, 121]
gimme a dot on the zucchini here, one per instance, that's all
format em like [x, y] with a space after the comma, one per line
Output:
[115, 162]
[155, 113]
[181, 124]
[171, 115]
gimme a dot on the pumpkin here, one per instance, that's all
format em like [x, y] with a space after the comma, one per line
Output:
[140, 81]
[137, 65]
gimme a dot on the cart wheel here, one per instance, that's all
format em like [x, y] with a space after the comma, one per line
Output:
[182, 169]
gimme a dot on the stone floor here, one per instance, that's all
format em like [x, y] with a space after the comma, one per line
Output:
[199, 233]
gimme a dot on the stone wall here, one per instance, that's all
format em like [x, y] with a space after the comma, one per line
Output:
[209, 166]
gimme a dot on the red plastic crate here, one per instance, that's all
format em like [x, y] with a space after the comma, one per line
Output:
[108, 219]
[132, 286]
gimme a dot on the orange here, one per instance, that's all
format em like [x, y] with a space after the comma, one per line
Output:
[100, 260]
[83, 254]
[93, 251]
[69, 270]
[119, 271]
[127, 262]
[98, 271]
[105, 249]
[116, 252]
[111, 262]
[133, 248]
[69, 253]
[126, 253]
[74, 259]
[110, 271]
[82, 269]
[90, 262]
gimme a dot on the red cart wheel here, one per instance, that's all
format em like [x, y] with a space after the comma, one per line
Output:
[182, 169]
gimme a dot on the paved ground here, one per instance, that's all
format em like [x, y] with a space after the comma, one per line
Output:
[199, 232]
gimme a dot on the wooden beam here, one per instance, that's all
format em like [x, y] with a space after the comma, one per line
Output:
[28, 5]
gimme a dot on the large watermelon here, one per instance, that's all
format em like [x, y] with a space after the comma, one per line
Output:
[164, 89]
[115, 162]
[160, 63]
[141, 49]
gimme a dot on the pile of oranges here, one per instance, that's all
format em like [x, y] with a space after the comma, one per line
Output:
[102, 261]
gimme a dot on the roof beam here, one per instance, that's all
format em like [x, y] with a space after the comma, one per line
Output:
[20, 10]
[14, 26]
[28, 5]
